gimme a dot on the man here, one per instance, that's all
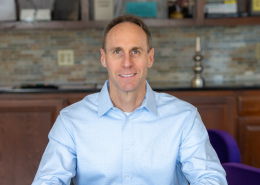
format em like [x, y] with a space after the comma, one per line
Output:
[127, 133]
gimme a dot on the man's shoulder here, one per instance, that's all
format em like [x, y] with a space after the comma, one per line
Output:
[164, 99]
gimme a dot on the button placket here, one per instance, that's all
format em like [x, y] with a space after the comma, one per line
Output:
[127, 153]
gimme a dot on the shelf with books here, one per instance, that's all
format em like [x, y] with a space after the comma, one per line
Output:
[85, 22]
[228, 13]
[53, 24]
[157, 16]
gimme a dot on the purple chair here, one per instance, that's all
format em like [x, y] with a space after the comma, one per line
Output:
[225, 146]
[229, 156]
[241, 174]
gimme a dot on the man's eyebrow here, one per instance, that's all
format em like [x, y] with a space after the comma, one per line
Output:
[115, 48]
[120, 48]
[137, 48]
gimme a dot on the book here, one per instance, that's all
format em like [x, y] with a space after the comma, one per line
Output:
[225, 15]
[103, 9]
[7, 10]
[66, 10]
[142, 9]
[220, 8]
[214, 1]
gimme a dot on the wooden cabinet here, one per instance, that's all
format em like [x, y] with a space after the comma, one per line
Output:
[249, 105]
[26, 119]
[85, 22]
[249, 127]
[237, 112]
[217, 110]
[24, 127]
[249, 140]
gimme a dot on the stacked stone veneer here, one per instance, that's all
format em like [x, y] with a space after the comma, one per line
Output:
[31, 56]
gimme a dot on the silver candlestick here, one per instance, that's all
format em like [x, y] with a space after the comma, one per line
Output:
[198, 80]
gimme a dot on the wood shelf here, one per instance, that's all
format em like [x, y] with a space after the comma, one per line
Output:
[169, 22]
[232, 21]
[42, 25]
[149, 22]
[48, 25]
[85, 23]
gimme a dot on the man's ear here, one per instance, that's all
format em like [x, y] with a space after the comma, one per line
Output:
[151, 58]
[103, 58]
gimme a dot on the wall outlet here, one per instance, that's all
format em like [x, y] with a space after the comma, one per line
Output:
[257, 50]
[65, 57]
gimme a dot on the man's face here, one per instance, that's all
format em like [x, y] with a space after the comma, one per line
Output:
[126, 58]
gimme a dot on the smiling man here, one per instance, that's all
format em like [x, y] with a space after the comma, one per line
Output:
[127, 133]
[127, 55]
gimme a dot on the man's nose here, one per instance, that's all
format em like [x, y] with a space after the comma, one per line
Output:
[127, 62]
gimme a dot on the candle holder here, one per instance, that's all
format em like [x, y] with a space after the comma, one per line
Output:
[198, 80]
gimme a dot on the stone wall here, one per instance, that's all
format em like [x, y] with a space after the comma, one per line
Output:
[31, 56]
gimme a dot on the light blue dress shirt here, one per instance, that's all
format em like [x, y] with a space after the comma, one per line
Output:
[162, 142]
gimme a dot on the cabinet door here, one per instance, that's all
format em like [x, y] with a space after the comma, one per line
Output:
[249, 140]
[249, 105]
[216, 112]
[24, 128]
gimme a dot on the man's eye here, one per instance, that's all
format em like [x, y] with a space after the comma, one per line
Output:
[117, 51]
[135, 52]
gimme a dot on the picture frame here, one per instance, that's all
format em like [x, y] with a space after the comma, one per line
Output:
[254, 7]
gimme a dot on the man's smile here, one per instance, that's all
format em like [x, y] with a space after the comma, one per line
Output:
[127, 76]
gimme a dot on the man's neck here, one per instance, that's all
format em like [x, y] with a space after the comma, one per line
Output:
[127, 101]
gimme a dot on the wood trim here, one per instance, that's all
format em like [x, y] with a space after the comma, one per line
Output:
[43, 96]
[200, 12]
[18, 25]
[201, 93]
[85, 10]
[47, 25]
[232, 21]
[34, 105]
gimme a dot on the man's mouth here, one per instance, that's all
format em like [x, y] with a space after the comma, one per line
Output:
[128, 75]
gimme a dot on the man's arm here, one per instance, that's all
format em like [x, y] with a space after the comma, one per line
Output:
[58, 163]
[199, 161]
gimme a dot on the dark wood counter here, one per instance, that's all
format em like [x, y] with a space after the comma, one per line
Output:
[26, 117]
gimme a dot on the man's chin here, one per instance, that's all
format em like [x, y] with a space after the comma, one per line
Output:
[128, 89]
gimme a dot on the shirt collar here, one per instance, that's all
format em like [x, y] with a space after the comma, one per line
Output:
[150, 101]
[105, 103]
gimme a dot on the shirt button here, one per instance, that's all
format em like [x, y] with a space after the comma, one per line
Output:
[127, 177]
[127, 120]
[127, 148]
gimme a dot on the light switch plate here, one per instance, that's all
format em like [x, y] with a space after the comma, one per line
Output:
[257, 51]
[65, 57]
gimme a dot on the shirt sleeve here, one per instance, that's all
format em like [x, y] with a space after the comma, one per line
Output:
[58, 163]
[198, 160]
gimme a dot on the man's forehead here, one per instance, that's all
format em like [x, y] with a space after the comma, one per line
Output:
[129, 32]
[125, 28]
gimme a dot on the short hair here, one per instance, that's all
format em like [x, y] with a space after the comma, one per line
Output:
[131, 19]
